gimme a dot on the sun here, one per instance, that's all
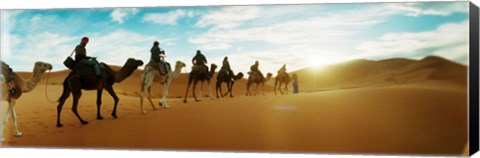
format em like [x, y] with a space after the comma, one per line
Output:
[315, 62]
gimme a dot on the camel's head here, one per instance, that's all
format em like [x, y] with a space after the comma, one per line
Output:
[42, 66]
[133, 62]
[213, 66]
[269, 75]
[180, 64]
[239, 76]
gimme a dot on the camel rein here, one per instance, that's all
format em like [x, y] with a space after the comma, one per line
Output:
[46, 85]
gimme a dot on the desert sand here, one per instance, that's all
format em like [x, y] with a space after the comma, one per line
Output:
[396, 106]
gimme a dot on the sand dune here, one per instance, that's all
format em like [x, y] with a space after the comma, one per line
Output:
[422, 110]
[365, 73]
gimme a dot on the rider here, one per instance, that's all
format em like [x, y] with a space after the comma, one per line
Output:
[254, 68]
[158, 55]
[283, 69]
[199, 61]
[81, 56]
[226, 66]
[9, 76]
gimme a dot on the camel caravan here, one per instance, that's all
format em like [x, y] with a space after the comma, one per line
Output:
[89, 74]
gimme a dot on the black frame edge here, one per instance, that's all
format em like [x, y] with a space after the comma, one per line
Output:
[474, 77]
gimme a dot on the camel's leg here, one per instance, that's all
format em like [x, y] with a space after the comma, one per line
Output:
[225, 94]
[11, 104]
[201, 91]
[142, 94]
[263, 90]
[280, 88]
[143, 89]
[5, 120]
[115, 99]
[149, 97]
[60, 106]
[193, 90]
[163, 101]
[256, 90]
[7, 114]
[286, 88]
[275, 87]
[99, 103]
[76, 97]
[14, 117]
[186, 93]
[231, 89]
[209, 89]
[217, 87]
[228, 90]
[65, 94]
[248, 89]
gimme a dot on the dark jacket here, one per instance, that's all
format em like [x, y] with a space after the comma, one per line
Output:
[283, 69]
[199, 59]
[226, 65]
[254, 68]
[155, 53]
[80, 52]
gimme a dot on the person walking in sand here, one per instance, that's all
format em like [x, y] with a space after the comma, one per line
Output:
[295, 83]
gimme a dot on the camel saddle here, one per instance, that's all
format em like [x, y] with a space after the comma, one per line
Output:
[156, 66]
[257, 76]
[203, 69]
[223, 72]
[81, 69]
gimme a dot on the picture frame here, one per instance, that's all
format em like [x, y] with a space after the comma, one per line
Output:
[471, 71]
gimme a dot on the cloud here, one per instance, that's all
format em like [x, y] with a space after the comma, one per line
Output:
[449, 40]
[112, 48]
[7, 22]
[169, 18]
[116, 47]
[229, 17]
[215, 46]
[48, 47]
[295, 57]
[431, 8]
[320, 30]
[121, 14]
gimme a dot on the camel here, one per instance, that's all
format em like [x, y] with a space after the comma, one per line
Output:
[282, 78]
[258, 79]
[74, 84]
[22, 86]
[227, 78]
[198, 75]
[150, 74]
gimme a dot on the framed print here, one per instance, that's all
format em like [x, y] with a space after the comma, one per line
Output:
[379, 78]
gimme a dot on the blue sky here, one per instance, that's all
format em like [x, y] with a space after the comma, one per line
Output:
[297, 35]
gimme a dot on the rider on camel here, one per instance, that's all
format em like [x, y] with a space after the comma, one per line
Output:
[199, 61]
[81, 56]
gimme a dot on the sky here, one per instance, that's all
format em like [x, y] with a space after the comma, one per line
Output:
[299, 36]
